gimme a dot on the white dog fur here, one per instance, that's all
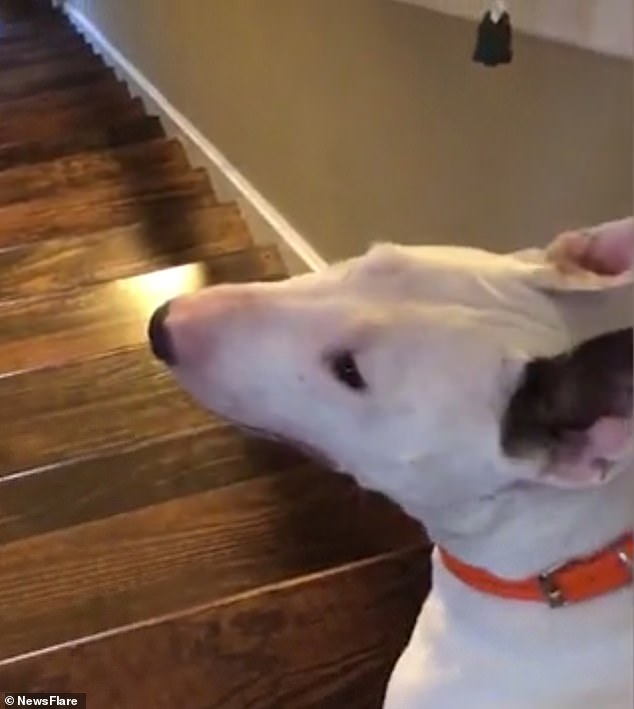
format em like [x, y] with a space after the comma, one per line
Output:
[441, 337]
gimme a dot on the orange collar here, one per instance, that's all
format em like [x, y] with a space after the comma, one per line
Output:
[576, 581]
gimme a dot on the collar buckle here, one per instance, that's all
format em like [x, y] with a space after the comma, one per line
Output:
[550, 589]
[625, 560]
[553, 592]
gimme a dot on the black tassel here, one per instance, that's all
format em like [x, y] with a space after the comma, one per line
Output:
[493, 45]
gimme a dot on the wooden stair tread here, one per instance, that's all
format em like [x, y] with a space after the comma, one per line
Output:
[92, 406]
[71, 174]
[39, 55]
[149, 551]
[340, 632]
[119, 132]
[96, 163]
[159, 469]
[52, 67]
[172, 235]
[94, 207]
[54, 40]
[147, 209]
[104, 574]
[65, 98]
[19, 31]
[56, 329]
[68, 121]
[18, 85]
[126, 164]
[20, 10]
[38, 30]
[27, 14]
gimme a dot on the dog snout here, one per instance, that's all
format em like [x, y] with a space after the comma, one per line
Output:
[159, 336]
[183, 331]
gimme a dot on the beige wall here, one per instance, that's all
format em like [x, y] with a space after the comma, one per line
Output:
[365, 119]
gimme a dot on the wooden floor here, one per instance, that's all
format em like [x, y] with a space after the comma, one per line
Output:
[150, 555]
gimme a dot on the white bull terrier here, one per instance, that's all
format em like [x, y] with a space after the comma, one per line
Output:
[479, 392]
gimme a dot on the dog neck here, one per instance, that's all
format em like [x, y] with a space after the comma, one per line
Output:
[526, 528]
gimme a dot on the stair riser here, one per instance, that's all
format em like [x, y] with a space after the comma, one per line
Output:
[77, 51]
[49, 68]
[168, 237]
[60, 178]
[57, 99]
[96, 208]
[42, 33]
[119, 133]
[72, 123]
[10, 90]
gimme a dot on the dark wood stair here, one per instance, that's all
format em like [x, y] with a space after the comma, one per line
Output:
[150, 554]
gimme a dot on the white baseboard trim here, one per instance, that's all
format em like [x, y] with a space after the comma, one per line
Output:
[264, 220]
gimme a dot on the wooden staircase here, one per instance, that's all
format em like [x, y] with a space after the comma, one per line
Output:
[151, 555]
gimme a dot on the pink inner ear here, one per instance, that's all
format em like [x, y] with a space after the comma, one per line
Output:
[606, 249]
[610, 436]
[607, 440]
[611, 254]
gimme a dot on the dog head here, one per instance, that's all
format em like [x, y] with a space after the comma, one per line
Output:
[432, 374]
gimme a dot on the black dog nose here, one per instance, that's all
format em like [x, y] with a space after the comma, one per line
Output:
[158, 335]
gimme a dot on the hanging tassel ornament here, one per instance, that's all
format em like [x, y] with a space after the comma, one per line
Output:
[493, 45]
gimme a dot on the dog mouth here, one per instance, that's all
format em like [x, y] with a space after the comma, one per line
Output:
[309, 451]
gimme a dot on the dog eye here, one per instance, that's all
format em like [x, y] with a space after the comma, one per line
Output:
[344, 368]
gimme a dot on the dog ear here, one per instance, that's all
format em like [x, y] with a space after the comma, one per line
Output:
[574, 411]
[590, 259]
